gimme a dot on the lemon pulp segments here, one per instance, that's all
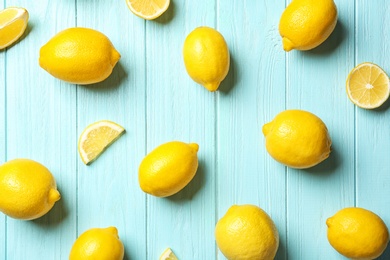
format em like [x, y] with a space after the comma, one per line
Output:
[96, 138]
[368, 86]
[148, 9]
[168, 255]
[13, 23]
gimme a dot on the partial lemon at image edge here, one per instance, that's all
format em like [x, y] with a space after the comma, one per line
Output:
[28, 189]
[168, 255]
[148, 9]
[357, 233]
[13, 23]
[96, 138]
[98, 243]
[306, 24]
[368, 86]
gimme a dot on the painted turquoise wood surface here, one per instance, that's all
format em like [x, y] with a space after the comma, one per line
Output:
[151, 95]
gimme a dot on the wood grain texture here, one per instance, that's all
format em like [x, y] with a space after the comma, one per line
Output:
[3, 141]
[150, 94]
[40, 122]
[107, 190]
[179, 109]
[316, 83]
[251, 96]
[372, 127]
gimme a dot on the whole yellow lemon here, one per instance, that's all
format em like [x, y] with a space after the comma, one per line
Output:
[168, 168]
[27, 189]
[357, 233]
[305, 24]
[297, 138]
[98, 243]
[246, 232]
[79, 56]
[206, 57]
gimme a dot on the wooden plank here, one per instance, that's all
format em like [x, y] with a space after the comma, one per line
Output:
[251, 96]
[3, 140]
[108, 192]
[41, 113]
[315, 82]
[179, 109]
[372, 128]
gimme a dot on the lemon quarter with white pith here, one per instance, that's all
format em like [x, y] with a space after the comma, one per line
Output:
[206, 57]
[13, 23]
[96, 138]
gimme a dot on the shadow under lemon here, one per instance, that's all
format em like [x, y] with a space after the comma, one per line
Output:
[55, 216]
[231, 78]
[168, 15]
[118, 75]
[195, 185]
[331, 43]
[328, 166]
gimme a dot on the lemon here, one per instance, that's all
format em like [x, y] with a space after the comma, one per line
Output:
[297, 138]
[96, 138]
[148, 9]
[357, 233]
[368, 86]
[246, 232]
[168, 168]
[13, 23]
[168, 255]
[206, 57]
[98, 243]
[27, 189]
[79, 56]
[305, 24]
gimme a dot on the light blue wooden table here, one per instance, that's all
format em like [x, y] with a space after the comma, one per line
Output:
[151, 95]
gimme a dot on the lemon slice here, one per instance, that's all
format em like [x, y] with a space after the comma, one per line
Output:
[13, 23]
[168, 255]
[96, 138]
[368, 85]
[148, 9]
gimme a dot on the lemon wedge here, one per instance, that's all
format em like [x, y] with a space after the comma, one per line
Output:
[13, 23]
[95, 139]
[368, 86]
[148, 9]
[168, 255]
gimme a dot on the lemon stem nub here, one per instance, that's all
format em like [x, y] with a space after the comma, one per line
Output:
[54, 195]
[287, 44]
[212, 87]
[194, 146]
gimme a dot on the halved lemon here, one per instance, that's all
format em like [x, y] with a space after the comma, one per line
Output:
[168, 255]
[95, 139]
[368, 86]
[13, 23]
[148, 9]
